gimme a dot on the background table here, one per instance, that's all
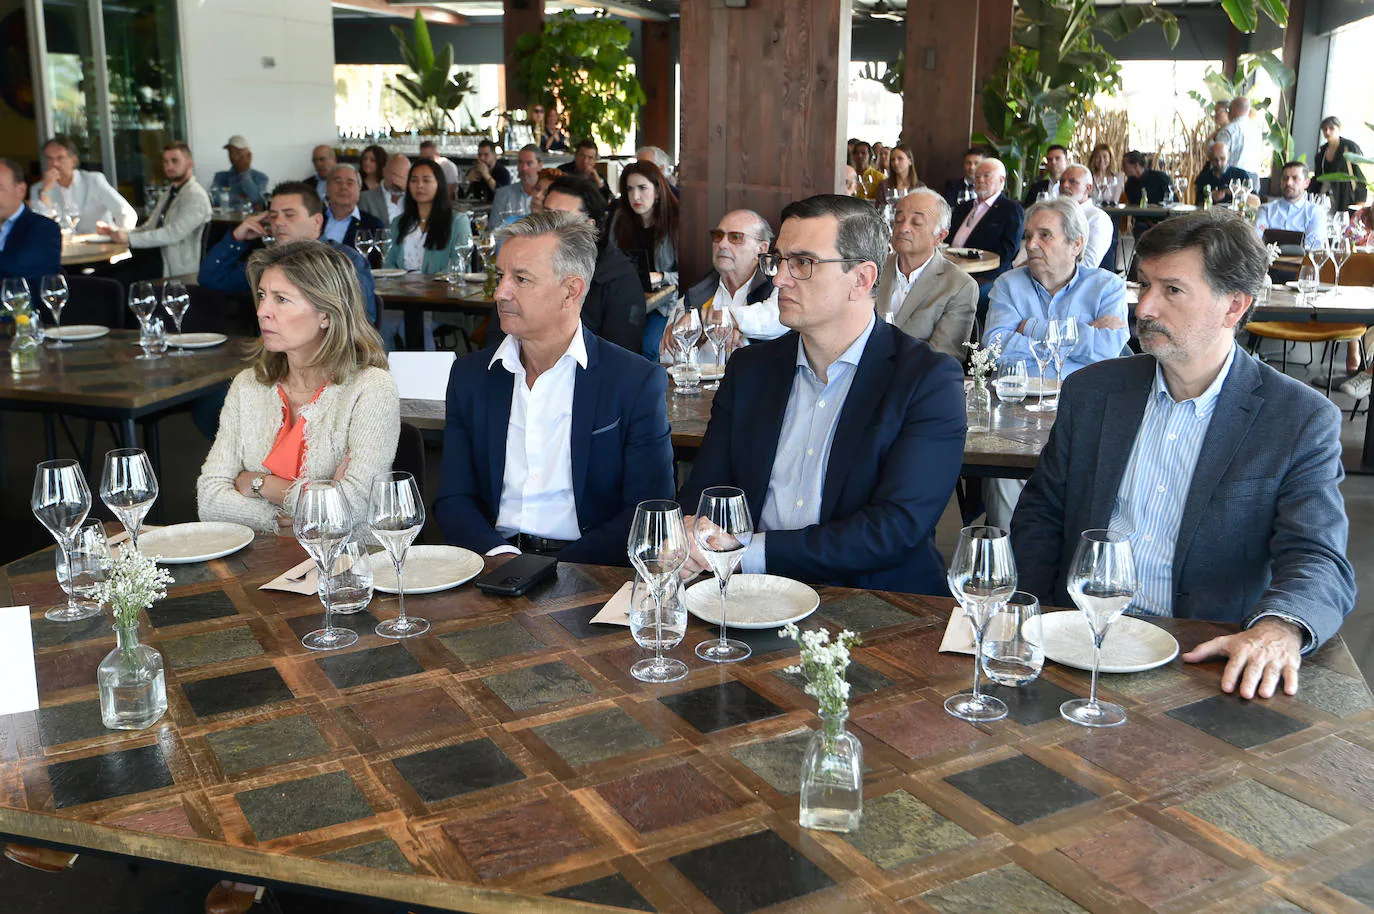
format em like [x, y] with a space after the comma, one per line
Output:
[506, 760]
[985, 261]
[78, 253]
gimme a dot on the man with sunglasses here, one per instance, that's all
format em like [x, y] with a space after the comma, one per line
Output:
[846, 435]
[736, 243]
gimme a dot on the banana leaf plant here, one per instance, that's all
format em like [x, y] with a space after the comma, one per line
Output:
[431, 91]
[1244, 14]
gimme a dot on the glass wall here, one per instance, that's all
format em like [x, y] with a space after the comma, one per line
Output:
[875, 114]
[1349, 91]
[365, 103]
[70, 75]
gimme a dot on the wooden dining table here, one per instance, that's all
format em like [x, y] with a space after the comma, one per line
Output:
[982, 263]
[506, 761]
[84, 250]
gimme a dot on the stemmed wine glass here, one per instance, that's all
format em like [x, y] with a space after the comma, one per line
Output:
[1063, 336]
[1042, 350]
[142, 300]
[981, 577]
[54, 292]
[486, 246]
[1340, 253]
[175, 301]
[61, 501]
[362, 241]
[1318, 254]
[381, 242]
[15, 295]
[723, 531]
[396, 512]
[658, 547]
[128, 488]
[720, 324]
[1102, 582]
[322, 525]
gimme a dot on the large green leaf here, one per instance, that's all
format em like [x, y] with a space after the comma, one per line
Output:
[424, 49]
[1123, 20]
[1276, 11]
[1278, 72]
[1244, 14]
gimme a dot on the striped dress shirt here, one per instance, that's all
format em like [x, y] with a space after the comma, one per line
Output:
[1154, 488]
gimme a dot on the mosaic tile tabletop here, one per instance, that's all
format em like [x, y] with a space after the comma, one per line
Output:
[507, 761]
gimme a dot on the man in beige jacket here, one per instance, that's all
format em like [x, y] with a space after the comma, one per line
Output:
[176, 223]
[926, 296]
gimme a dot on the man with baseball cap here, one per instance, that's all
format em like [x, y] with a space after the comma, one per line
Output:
[241, 180]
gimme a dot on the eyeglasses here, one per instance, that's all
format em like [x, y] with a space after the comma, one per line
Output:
[735, 237]
[800, 267]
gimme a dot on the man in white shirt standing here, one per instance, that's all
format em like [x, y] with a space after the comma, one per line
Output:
[550, 443]
[387, 201]
[1242, 137]
[86, 195]
[736, 243]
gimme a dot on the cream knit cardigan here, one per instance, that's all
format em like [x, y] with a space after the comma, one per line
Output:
[361, 418]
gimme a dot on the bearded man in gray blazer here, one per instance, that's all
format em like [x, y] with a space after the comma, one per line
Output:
[930, 298]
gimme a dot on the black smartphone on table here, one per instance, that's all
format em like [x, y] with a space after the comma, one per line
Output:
[518, 575]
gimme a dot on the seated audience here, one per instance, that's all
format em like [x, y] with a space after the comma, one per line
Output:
[1108, 181]
[372, 167]
[851, 181]
[882, 157]
[660, 158]
[991, 221]
[485, 177]
[1144, 186]
[585, 423]
[869, 175]
[388, 201]
[244, 183]
[323, 160]
[613, 307]
[959, 189]
[85, 195]
[847, 436]
[583, 165]
[30, 244]
[901, 176]
[514, 200]
[644, 225]
[1053, 285]
[1216, 176]
[1076, 184]
[175, 225]
[928, 297]
[317, 402]
[424, 235]
[736, 243]
[296, 215]
[554, 138]
[1056, 160]
[1293, 211]
[342, 217]
[1222, 472]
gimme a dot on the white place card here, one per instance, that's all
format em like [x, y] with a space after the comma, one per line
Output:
[18, 677]
[617, 608]
[421, 375]
[958, 634]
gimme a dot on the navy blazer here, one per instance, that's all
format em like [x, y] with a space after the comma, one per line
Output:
[365, 221]
[622, 451]
[895, 459]
[998, 231]
[32, 250]
[1264, 525]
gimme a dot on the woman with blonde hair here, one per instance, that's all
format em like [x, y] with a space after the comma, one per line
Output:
[1107, 182]
[316, 401]
[901, 176]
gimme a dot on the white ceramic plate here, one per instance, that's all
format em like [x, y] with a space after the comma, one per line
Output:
[76, 332]
[1132, 645]
[92, 239]
[1182, 208]
[195, 340]
[712, 372]
[753, 601]
[428, 569]
[1033, 386]
[184, 544]
[964, 252]
[388, 272]
[1323, 287]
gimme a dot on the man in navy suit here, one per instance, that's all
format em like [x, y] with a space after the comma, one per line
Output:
[1222, 472]
[30, 244]
[552, 439]
[342, 217]
[992, 222]
[845, 434]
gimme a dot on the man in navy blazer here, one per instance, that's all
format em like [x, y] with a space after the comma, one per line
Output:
[30, 244]
[1222, 472]
[845, 435]
[991, 222]
[554, 437]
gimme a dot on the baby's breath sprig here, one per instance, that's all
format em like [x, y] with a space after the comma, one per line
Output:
[134, 584]
[823, 663]
[982, 361]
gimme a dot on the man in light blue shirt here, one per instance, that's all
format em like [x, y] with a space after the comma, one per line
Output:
[241, 179]
[1293, 211]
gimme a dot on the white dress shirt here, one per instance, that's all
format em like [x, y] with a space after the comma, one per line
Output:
[336, 229]
[90, 196]
[902, 284]
[537, 486]
[395, 205]
[757, 321]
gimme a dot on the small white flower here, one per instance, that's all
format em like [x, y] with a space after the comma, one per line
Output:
[134, 584]
[823, 663]
[1274, 253]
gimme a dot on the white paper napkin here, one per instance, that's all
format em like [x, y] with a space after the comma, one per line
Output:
[308, 585]
[18, 677]
[958, 634]
[617, 608]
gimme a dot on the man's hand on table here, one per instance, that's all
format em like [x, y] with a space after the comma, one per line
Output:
[1259, 657]
[118, 235]
[696, 561]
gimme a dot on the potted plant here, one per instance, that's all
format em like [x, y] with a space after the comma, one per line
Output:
[432, 92]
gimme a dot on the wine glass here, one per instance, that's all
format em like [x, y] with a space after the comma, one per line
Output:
[1101, 582]
[362, 241]
[322, 525]
[1064, 336]
[486, 246]
[1014, 644]
[142, 300]
[1318, 254]
[128, 488]
[1013, 381]
[175, 301]
[658, 548]
[86, 564]
[54, 292]
[720, 325]
[61, 501]
[686, 330]
[723, 531]
[1340, 253]
[15, 295]
[981, 577]
[658, 629]
[1307, 283]
[381, 241]
[396, 512]
[1042, 350]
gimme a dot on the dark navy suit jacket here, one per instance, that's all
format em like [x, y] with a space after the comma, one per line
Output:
[365, 221]
[895, 459]
[998, 231]
[1264, 525]
[32, 250]
[622, 450]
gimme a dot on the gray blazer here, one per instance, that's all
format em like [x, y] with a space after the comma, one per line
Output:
[1264, 526]
[939, 308]
[374, 202]
[179, 235]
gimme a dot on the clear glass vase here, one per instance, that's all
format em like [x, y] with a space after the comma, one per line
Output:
[26, 345]
[979, 405]
[832, 797]
[133, 685]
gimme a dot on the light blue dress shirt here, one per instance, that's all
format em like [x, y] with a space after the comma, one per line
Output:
[336, 229]
[1089, 295]
[1305, 217]
[808, 431]
[9, 224]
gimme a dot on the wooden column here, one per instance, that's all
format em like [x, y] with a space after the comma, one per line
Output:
[994, 37]
[656, 76]
[1231, 61]
[939, 86]
[764, 107]
[521, 17]
[1292, 47]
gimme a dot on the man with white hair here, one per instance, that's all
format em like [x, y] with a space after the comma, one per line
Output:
[991, 221]
[586, 422]
[657, 156]
[736, 243]
[342, 217]
[1242, 137]
[1076, 183]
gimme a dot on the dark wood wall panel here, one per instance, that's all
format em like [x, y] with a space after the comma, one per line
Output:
[937, 117]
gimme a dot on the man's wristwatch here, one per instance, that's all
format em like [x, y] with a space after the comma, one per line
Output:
[257, 485]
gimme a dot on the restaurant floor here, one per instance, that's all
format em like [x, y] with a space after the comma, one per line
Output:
[100, 886]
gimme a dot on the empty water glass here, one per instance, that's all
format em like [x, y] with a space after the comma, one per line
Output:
[153, 338]
[1014, 646]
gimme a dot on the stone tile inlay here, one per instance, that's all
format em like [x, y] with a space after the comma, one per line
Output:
[302, 806]
[533, 686]
[1009, 888]
[68, 723]
[199, 607]
[237, 692]
[491, 642]
[451, 771]
[665, 798]
[862, 680]
[1236, 721]
[919, 729]
[1140, 753]
[1333, 692]
[1021, 790]
[614, 891]
[211, 647]
[596, 737]
[510, 840]
[1357, 883]
[1264, 818]
[379, 855]
[718, 707]
[395, 717]
[361, 668]
[115, 774]
[1143, 862]
[775, 872]
[1033, 704]
[863, 612]
[1341, 768]
[777, 761]
[898, 828]
[269, 743]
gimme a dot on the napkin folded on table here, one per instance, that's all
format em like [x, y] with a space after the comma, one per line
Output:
[958, 634]
[617, 608]
[307, 585]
